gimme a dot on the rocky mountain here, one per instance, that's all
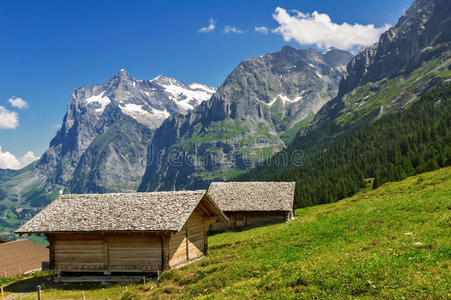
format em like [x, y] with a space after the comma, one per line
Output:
[254, 114]
[410, 58]
[421, 34]
[101, 145]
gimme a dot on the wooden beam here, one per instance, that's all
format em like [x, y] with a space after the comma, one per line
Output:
[165, 237]
[106, 256]
[51, 241]
[187, 243]
[206, 227]
[163, 254]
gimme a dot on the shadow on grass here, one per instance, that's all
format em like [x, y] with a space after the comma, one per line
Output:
[30, 285]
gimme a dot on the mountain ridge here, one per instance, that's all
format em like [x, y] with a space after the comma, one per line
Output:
[337, 153]
[410, 58]
[252, 115]
[101, 146]
[140, 104]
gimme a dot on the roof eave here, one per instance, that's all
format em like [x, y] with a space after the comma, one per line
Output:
[216, 207]
[94, 231]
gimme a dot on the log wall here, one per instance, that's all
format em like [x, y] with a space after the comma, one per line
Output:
[107, 253]
[254, 219]
[241, 220]
[177, 248]
[190, 242]
[131, 252]
[138, 253]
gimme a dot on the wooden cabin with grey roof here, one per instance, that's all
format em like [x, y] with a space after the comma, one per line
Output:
[125, 233]
[252, 204]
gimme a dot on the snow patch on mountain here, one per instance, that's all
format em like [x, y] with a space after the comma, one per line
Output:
[149, 118]
[187, 97]
[202, 87]
[285, 99]
[101, 100]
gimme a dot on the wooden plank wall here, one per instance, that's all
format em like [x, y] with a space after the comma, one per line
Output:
[189, 243]
[107, 253]
[254, 219]
[250, 219]
[134, 253]
[196, 235]
[78, 252]
[219, 226]
[177, 248]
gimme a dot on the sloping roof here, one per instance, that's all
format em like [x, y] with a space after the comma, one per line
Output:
[159, 211]
[21, 256]
[253, 196]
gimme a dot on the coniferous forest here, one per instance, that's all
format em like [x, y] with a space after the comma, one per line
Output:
[412, 141]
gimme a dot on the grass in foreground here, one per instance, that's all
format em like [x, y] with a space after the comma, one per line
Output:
[393, 242]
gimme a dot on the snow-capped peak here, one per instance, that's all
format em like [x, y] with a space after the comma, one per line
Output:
[159, 77]
[149, 102]
[186, 97]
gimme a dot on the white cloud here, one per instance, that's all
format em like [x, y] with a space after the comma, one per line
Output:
[28, 158]
[318, 29]
[18, 102]
[230, 29]
[261, 29]
[9, 161]
[211, 26]
[8, 119]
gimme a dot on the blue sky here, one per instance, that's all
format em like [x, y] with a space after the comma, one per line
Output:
[48, 48]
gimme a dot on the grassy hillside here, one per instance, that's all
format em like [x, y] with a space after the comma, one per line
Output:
[22, 195]
[392, 242]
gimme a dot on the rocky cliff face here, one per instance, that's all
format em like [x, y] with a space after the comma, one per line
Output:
[255, 113]
[422, 33]
[102, 144]
[409, 59]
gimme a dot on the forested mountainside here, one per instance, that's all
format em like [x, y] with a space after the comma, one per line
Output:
[398, 145]
[101, 146]
[255, 113]
[410, 58]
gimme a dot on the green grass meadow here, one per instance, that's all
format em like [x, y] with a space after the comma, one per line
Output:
[390, 243]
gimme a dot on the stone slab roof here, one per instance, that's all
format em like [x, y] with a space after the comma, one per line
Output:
[253, 196]
[158, 211]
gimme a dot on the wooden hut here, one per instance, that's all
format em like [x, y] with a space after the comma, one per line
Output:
[251, 204]
[21, 257]
[125, 233]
